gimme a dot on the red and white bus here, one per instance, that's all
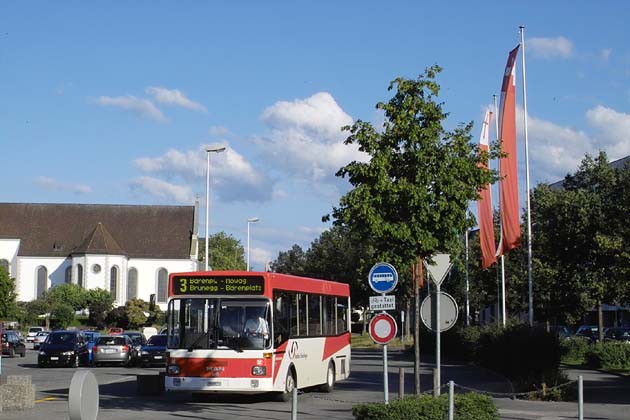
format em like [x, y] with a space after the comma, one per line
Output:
[240, 331]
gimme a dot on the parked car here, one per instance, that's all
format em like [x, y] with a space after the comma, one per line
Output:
[588, 331]
[617, 334]
[90, 341]
[63, 348]
[39, 339]
[154, 352]
[12, 344]
[137, 341]
[115, 331]
[149, 331]
[561, 331]
[32, 332]
[112, 349]
[163, 331]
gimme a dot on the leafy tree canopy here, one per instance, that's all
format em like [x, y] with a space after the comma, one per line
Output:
[8, 297]
[411, 198]
[69, 294]
[226, 252]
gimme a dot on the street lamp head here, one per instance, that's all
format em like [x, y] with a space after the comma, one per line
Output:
[253, 219]
[215, 149]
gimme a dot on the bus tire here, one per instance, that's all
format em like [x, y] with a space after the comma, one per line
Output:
[329, 385]
[289, 383]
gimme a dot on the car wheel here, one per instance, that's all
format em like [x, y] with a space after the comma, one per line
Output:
[76, 361]
[11, 352]
[289, 385]
[330, 379]
[40, 364]
[23, 354]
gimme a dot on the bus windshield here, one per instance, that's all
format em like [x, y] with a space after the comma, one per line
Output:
[219, 323]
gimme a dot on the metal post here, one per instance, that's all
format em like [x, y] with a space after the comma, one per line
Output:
[580, 397]
[530, 280]
[294, 394]
[207, 207]
[401, 383]
[385, 381]
[467, 285]
[503, 312]
[247, 245]
[437, 338]
[451, 399]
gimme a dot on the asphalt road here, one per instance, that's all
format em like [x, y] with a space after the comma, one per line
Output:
[118, 399]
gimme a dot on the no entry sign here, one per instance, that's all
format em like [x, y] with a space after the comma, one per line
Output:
[383, 328]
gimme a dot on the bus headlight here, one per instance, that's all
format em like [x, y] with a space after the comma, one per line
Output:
[173, 370]
[259, 370]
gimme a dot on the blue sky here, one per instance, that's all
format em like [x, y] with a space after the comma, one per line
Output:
[115, 102]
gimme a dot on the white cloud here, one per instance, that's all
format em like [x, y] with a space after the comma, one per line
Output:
[233, 177]
[174, 97]
[163, 190]
[56, 185]
[219, 131]
[614, 130]
[306, 138]
[258, 257]
[142, 107]
[558, 47]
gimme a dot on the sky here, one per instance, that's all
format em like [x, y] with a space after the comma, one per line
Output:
[116, 102]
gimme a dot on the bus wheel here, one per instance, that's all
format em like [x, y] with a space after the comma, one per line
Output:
[289, 385]
[330, 378]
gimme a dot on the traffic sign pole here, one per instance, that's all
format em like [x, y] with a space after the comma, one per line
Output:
[385, 376]
[438, 352]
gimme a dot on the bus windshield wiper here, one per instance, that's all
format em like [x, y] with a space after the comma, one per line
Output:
[195, 344]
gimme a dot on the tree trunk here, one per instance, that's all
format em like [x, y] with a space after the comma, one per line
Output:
[365, 312]
[600, 322]
[408, 320]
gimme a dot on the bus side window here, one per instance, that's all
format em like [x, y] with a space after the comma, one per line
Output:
[314, 315]
[281, 317]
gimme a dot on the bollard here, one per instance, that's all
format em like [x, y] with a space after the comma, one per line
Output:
[83, 396]
[451, 399]
[294, 404]
[580, 397]
[401, 383]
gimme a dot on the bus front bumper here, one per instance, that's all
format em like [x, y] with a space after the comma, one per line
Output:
[176, 383]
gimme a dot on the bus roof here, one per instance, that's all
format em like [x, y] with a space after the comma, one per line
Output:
[271, 281]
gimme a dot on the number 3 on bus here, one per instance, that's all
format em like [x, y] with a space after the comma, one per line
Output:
[249, 332]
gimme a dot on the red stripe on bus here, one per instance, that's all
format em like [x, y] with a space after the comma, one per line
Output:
[278, 359]
[333, 344]
[200, 367]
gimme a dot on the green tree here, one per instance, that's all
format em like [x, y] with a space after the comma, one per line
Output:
[8, 297]
[137, 310]
[37, 308]
[226, 252]
[411, 198]
[62, 315]
[292, 261]
[99, 303]
[69, 294]
[580, 240]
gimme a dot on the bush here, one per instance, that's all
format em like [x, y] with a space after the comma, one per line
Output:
[62, 315]
[574, 350]
[470, 406]
[609, 355]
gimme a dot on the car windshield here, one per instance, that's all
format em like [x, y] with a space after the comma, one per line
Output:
[238, 324]
[61, 338]
[111, 341]
[157, 340]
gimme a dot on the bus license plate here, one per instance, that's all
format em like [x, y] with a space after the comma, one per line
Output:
[54, 358]
[214, 383]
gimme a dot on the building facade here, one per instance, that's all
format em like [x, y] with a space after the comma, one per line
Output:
[127, 250]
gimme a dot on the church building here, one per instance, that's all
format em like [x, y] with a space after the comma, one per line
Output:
[128, 250]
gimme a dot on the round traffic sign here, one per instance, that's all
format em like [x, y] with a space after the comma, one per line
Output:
[383, 328]
[383, 278]
[448, 312]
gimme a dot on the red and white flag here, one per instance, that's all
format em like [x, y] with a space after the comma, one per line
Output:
[484, 205]
[510, 219]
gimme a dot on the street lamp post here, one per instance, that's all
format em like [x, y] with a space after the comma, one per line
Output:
[208, 151]
[250, 221]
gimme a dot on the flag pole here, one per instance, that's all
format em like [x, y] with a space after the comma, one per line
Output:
[530, 280]
[496, 126]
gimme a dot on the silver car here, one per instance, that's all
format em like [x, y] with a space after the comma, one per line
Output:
[112, 349]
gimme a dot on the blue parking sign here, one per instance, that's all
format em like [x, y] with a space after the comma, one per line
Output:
[383, 278]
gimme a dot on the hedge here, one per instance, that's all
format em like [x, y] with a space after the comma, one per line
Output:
[609, 355]
[470, 406]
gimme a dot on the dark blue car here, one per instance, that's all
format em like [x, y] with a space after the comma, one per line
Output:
[91, 337]
[154, 353]
[63, 348]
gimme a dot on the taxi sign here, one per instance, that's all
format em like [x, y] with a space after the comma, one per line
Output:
[383, 278]
[383, 328]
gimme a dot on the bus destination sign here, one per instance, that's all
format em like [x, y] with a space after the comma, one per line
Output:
[218, 285]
